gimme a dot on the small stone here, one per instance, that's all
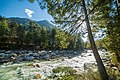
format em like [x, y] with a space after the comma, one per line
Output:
[63, 59]
[82, 56]
[69, 57]
[76, 66]
[90, 55]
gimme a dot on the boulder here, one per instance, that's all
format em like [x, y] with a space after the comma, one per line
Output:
[37, 76]
[37, 65]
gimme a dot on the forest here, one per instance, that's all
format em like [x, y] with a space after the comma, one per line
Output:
[60, 53]
[32, 36]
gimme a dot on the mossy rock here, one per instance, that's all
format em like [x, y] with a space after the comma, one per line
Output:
[68, 74]
[37, 76]
[37, 65]
[33, 65]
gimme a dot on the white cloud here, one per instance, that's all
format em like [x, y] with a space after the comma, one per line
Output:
[29, 12]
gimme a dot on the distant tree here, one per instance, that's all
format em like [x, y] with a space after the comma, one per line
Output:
[61, 39]
[44, 38]
[79, 43]
[37, 36]
[28, 37]
[12, 33]
[20, 34]
[4, 29]
[53, 39]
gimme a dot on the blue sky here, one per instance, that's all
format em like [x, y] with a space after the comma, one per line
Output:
[17, 8]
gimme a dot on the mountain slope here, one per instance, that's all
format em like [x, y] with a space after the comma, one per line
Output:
[25, 21]
[45, 23]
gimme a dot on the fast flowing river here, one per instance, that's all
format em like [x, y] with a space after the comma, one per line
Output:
[26, 70]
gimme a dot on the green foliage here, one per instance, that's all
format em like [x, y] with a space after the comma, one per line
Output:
[65, 73]
[87, 45]
[17, 36]
[61, 38]
[102, 43]
[4, 29]
[68, 73]
[107, 18]
[92, 75]
[113, 73]
[67, 70]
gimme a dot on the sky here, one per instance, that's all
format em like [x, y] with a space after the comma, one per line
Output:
[23, 9]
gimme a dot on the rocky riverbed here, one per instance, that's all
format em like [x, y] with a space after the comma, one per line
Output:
[34, 69]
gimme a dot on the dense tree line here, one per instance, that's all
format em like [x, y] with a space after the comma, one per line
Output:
[32, 36]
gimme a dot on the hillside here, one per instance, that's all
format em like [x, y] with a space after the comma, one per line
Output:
[25, 21]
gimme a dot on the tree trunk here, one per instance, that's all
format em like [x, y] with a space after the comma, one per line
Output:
[100, 65]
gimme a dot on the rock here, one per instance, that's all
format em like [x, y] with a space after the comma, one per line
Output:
[33, 65]
[88, 66]
[29, 58]
[105, 59]
[13, 56]
[75, 53]
[89, 54]
[63, 59]
[7, 52]
[82, 56]
[114, 68]
[37, 76]
[89, 51]
[53, 54]
[30, 52]
[77, 67]
[50, 51]
[2, 55]
[37, 65]
[41, 52]
[46, 56]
